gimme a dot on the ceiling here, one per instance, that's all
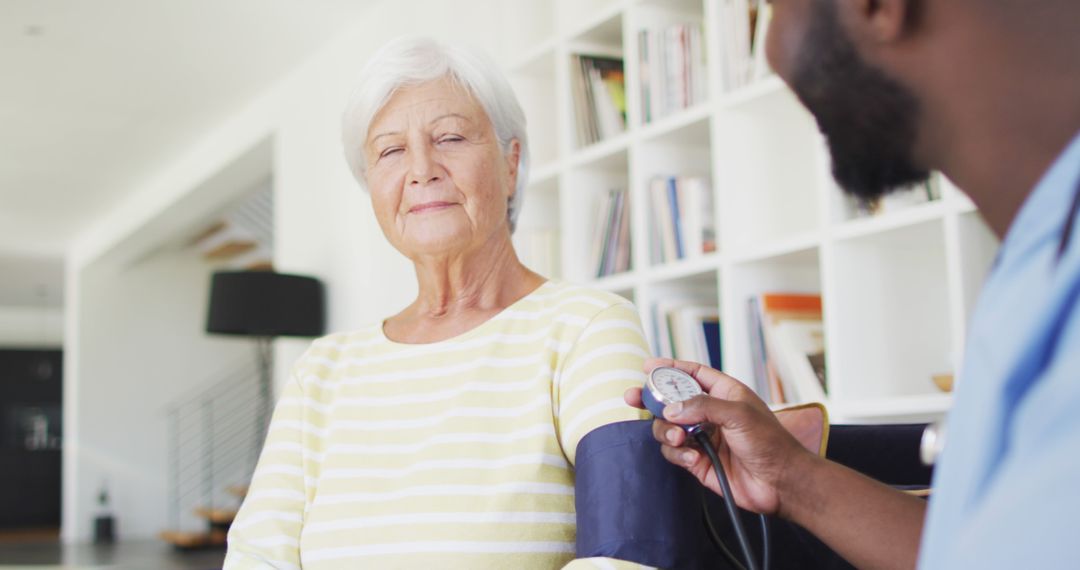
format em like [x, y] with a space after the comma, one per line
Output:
[96, 96]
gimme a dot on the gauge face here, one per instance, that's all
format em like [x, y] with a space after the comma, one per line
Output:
[670, 385]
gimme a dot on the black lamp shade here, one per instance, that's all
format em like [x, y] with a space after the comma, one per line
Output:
[265, 303]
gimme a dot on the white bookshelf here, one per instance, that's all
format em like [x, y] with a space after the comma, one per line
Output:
[897, 288]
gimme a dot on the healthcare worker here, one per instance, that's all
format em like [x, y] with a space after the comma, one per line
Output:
[987, 92]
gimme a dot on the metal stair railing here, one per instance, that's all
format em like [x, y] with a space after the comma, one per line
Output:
[215, 437]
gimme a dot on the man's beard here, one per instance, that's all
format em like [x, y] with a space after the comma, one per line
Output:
[868, 119]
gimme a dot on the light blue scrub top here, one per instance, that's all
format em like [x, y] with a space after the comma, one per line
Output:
[1007, 487]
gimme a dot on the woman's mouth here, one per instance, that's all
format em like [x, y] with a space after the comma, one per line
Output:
[429, 207]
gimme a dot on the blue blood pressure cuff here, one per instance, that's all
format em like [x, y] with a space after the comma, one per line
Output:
[633, 505]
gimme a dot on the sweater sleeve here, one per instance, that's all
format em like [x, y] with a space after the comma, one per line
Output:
[266, 532]
[606, 359]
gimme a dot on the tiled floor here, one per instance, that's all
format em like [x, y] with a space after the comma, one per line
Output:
[136, 555]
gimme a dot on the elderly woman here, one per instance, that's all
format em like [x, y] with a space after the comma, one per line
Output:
[443, 436]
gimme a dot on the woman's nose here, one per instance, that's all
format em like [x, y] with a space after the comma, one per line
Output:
[423, 168]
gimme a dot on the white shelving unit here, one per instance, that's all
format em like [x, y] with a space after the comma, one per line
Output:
[897, 288]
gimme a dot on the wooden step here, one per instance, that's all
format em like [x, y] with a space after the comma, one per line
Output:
[264, 265]
[216, 516]
[209, 231]
[193, 540]
[230, 249]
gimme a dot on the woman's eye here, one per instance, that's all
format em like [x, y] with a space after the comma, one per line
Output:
[389, 151]
[450, 138]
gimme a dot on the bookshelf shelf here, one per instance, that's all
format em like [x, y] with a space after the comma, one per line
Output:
[545, 174]
[688, 7]
[965, 205]
[912, 215]
[709, 262]
[747, 96]
[600, 152]
[960, 200]
[896, 289]
[779, 248]
[895, 408]
[697, 115]
[619, 282]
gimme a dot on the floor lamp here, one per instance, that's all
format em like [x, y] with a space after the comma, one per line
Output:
[264, 305]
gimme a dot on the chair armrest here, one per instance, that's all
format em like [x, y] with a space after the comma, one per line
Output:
[888, 452]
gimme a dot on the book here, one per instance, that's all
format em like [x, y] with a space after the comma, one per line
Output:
[799, 347]
[671, 62]
[598, 90]
[596, 252]
[663, 220]
[687, 328]
[681, 219]
[742, 27]
[784, 328]
[711, 335]
[758, 358]
[762, 18]
[676, 218]
[622, 251]
[611, 238]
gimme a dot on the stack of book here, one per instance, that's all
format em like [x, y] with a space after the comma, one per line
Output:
[743, 24]
[681, 218]
[672, 63]
[599, 92]
[687, 329]
[787, 345]
[611, 241]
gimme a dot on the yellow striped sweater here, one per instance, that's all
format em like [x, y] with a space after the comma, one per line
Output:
[455, 454]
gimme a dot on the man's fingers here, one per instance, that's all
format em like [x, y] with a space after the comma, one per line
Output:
[681, 456]
[701, 409]
[668, 433]
[632, 397]
[654, 363]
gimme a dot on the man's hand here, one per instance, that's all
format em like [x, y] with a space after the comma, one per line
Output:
[755, 448]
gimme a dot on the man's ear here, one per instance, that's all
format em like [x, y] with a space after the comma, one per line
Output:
[880, 21]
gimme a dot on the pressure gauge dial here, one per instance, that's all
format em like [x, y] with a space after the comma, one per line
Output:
[667, 385]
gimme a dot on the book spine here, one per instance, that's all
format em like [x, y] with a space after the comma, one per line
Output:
[757, 349]
[666, 228]
[673, 201]
[597, 250]
[646, 85]
[623, 249]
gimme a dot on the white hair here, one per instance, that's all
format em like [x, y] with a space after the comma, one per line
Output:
[414, 60]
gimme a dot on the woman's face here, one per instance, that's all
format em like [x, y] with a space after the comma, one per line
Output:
[439, 182]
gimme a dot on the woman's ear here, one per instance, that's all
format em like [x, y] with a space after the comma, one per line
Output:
[513, 157]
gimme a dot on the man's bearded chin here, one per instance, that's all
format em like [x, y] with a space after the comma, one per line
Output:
[869, 120]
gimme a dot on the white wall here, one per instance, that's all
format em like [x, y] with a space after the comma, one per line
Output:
[143, 347]
[31, 327]
[323, 227]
